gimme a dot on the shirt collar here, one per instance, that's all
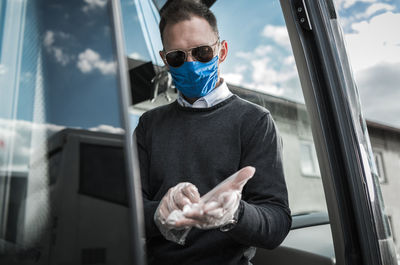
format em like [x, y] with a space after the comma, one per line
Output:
[217, 95]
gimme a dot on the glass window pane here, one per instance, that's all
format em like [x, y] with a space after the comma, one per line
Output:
[61, 202]
[260, 68]
[101, 167]
[378, 156]
[368, 29]
[309, 162]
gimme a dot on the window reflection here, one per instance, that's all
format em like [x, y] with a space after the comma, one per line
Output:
[140, 19]
[309, 162]
[150, 82]
[380, 166]
[63, 196]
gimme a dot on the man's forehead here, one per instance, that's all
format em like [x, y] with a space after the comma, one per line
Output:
[188, 33]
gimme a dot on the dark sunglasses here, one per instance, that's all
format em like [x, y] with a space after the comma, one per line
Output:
[204, 54]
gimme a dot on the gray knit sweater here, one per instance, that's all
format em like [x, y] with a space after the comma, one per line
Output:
[204, 146]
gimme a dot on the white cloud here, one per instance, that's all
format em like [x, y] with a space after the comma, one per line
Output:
[278, 34]
[236, 77]
[93, 4]
[289, 60]
[279, 82]
[19, 133]
[376, 7]
[380, 92]
[108, 129]
[60, 56]
[48, 38]
[375, 41]
[268, 68]
[344, 4]
[263, 50]
[3, 69]
[241, 68]
[261, 71]
[136, 56]
[233, 78]
[243, 55]
[56, 50]
[89, 60]
[365, 12]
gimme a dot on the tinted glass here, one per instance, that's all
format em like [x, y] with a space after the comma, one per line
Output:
[367, 158]
[60, 123]
[368, 29]
[102, 167]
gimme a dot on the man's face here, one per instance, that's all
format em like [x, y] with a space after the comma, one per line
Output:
[192, 33]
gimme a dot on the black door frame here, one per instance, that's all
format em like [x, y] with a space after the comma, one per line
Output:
[320, 57]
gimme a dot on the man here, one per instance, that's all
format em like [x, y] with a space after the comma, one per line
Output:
[188, 147]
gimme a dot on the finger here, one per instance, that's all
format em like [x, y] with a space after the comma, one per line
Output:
[185, 222]
[228, 199]
[243, 176]
[197, 214]
[216, 213]
[191, 192]
[178, 200]
[181, 200]
[169, 200]
[211, 206]
[163, 212]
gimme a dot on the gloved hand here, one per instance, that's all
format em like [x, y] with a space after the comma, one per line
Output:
[181, 208]
[174, 201]
[218, 207]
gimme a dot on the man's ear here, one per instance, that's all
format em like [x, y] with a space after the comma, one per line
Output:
[223, 52]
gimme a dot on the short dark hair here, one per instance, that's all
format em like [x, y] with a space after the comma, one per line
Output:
[179, 10]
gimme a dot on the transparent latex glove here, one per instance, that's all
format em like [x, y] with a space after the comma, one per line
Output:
[216, 208]
[175, 199]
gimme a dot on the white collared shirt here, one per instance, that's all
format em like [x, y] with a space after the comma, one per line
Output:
[217, 95]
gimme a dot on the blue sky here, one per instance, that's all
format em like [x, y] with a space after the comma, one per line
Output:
[87, 89]
[76, 72]
[67, 76]
[260, 55]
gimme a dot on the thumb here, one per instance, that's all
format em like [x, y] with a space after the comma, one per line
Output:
[242, 177]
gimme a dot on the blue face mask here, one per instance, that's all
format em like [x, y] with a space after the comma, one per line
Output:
[195, 79]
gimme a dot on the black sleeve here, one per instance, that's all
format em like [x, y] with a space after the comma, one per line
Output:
[149, 206]
[264, 217]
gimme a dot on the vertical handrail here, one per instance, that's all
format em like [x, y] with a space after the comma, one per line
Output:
[131, 156]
